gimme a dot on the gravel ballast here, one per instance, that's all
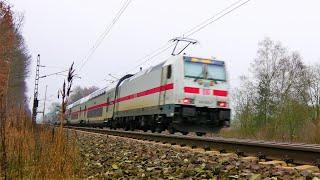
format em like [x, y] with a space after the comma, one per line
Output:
[112, 157]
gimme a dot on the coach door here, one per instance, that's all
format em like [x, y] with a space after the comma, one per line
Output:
[165, 76]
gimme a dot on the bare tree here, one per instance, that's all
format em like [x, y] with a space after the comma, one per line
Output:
[276, 98]
[53, 113]
[6, 48]
[266, 69]
[78, 92]
[19, 72]
[244, 100]
[314, 89]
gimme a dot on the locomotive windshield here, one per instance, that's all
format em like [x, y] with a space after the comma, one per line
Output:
[216, 72]
[201, 70]
[194, 70]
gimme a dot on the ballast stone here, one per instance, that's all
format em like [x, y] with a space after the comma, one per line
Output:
[307, 168]
[275, 163]
[250, 159]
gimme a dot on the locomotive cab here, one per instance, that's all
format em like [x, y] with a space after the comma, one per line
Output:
[203, 96]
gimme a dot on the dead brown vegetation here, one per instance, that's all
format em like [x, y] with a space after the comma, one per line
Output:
[27, 150]
[52, 154]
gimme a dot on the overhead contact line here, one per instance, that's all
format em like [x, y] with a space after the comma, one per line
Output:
[232, 7]
[105, 34]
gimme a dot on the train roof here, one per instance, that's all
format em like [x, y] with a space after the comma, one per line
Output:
[86, 98]
[156, 66]
[97, 93]
[105, 89]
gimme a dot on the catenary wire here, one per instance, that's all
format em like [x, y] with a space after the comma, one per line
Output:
[152, 55]
[104, 34]
[56, 73]
[213, 19]
[194, 30]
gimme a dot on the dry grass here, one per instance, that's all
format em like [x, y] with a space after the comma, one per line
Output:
[40, 152]
[311, 133]
[308, 133]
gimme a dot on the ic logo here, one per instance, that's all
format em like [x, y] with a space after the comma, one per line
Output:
[206, 92]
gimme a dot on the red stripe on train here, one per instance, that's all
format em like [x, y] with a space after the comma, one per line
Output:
[192, 90]
[220, 93]
[155, 90]
[132, 96]
[96, 106]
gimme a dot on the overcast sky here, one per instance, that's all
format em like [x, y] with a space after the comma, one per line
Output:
[63, 31]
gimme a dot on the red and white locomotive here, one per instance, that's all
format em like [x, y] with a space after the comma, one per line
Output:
[183, 93]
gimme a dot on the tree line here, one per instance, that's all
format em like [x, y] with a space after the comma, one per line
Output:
[280, 98]
[76, 94]
[14, 58]
[27, 150]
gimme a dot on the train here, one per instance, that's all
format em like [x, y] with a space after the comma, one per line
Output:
[181, 94]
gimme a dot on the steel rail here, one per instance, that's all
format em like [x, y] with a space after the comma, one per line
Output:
[295, 153]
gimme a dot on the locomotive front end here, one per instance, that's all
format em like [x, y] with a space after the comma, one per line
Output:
[204, 97]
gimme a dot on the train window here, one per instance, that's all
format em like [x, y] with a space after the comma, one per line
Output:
[169, 72]
[216, 72]
[193, 70]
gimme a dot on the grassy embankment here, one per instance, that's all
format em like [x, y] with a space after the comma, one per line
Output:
[40, 152]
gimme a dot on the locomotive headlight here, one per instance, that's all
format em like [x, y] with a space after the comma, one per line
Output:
[187, 101]
[222, 104]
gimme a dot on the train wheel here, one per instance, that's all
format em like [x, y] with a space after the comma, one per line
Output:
[185, 133]
[200, 134]
[144, 129]
[113, 125]
[126, 128]
[132, 127]
[159, 129]
[171, 130]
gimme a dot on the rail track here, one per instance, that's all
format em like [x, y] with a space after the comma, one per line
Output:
[306, 154]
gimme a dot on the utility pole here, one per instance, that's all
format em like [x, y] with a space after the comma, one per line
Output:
[36, 92]
[36, 89]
